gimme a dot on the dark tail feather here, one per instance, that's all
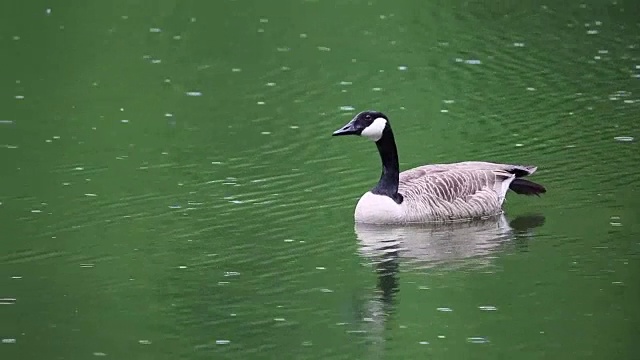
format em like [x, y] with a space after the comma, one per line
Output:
[526, 187]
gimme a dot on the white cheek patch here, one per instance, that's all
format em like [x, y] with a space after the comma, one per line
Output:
[374, 131]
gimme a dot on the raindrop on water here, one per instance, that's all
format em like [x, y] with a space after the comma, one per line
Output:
[477, 340]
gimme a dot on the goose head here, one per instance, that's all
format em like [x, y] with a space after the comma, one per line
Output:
[370, 124]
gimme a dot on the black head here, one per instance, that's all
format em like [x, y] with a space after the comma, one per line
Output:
[370, 124]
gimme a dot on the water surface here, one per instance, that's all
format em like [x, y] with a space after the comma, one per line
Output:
[170, 188]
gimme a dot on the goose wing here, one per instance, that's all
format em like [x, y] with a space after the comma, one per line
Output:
[452, 183]
[456, 191]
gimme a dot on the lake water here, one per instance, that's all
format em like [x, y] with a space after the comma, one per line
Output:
[170, 188]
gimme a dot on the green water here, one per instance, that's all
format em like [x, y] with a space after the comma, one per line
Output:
[170, 188]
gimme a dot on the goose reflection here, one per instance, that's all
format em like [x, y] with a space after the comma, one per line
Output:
[442, 244]
[445, 246]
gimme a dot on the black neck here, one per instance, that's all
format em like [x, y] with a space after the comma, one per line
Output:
[388, 184]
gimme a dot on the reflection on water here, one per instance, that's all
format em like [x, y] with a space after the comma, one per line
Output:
[442, 244]
[427, 246]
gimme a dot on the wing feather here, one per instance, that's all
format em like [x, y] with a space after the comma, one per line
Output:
[450, 191]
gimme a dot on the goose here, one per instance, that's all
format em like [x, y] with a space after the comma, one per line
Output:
[432, 193]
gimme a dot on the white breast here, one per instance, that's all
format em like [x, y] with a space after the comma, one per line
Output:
[378, 209]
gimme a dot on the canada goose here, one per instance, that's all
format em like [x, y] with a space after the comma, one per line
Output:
[432, 193]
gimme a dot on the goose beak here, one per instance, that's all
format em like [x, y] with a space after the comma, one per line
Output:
[348, 129]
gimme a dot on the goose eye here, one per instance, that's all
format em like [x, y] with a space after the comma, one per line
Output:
[367, 117]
